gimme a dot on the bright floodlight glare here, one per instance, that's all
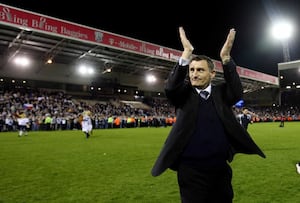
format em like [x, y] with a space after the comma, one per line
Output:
[282, 30]
[90, 71]
[22, 61]
[151, 78]
[49, 61]
[84, 70]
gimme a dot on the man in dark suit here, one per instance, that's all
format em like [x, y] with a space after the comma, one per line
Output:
[206, 134]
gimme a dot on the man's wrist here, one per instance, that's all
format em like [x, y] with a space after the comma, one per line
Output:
[226, 59]
[183, 62]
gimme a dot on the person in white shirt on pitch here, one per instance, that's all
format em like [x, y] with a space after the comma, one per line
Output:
[23, 123]
[86, 123]
[298, 167]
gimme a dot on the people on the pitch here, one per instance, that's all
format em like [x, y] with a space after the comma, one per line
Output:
[86, 123]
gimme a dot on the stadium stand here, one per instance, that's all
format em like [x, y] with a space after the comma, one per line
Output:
[67, 44]
[117, 88]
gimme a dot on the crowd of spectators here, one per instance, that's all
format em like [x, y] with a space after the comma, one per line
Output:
[274, 113]
[48, 110]
[55, 110]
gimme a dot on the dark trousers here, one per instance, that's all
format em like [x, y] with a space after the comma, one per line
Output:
[198, 185]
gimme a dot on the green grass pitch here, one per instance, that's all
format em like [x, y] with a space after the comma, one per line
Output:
[113, 166]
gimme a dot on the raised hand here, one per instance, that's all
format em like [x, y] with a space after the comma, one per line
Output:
[186, 44]
[226, 49]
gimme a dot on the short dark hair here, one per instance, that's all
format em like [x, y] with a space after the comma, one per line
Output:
[210, 62]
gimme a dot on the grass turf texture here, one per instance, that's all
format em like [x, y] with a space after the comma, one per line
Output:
[113, 166]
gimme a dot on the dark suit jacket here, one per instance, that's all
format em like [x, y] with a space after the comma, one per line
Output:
[185, 99]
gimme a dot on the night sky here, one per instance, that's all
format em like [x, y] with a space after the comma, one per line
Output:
[206, 24]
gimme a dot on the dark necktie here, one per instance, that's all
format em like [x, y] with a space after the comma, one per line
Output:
[204, 94]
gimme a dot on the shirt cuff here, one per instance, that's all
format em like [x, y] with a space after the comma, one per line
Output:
[183, 62]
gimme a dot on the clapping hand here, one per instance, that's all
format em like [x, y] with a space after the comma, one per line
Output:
[226, 49]
[187, 46]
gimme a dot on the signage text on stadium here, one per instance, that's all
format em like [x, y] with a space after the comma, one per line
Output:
[32, 21]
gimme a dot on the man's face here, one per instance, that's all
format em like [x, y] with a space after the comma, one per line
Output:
[200, 75]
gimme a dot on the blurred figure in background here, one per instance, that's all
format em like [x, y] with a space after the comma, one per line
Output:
[23, 123]
[245, 118]
[282, 119]
[86, 123]
[298, 167]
